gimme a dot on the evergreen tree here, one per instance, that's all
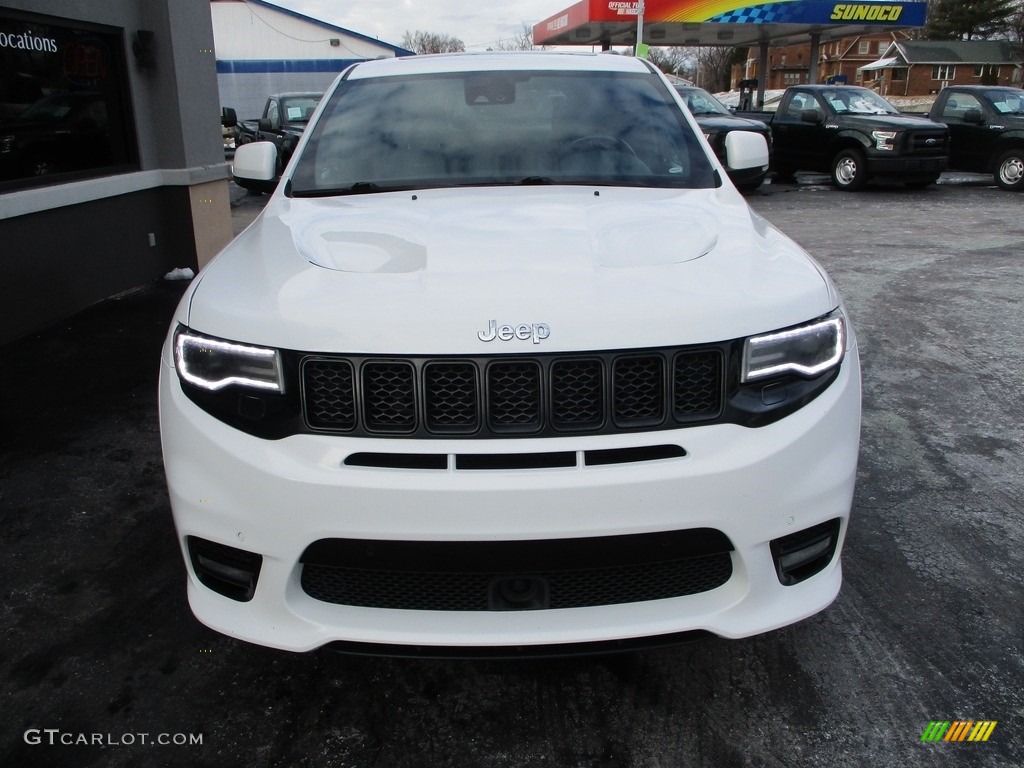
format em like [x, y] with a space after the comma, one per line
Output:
[969, 19]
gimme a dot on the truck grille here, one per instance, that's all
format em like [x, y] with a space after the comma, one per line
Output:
[513, 396]
[516, 575]
[926, 142]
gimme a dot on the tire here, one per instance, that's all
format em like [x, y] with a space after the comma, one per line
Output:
[1009, 170]
[849, 170]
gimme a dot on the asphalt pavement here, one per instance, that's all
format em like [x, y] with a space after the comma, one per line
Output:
[104, 665]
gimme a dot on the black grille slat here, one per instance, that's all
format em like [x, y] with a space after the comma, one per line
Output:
[511, 396]
[389, 396]
[918, 142]
[577, 394]
[330, 394]
[451, 397]
[697, 392]
[639, 387]
[514, 396]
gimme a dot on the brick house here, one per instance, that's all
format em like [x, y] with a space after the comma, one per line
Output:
[790, 64]
[892, 64]
[922, 67]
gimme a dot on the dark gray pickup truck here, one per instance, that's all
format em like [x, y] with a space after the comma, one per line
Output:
[855, 135]
[986, 130]
[285, 116]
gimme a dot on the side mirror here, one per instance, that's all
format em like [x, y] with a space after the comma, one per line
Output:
[265, 125]
[255, 166]
[973, 116]
[809, 116]
[228, 118]
[746, 149]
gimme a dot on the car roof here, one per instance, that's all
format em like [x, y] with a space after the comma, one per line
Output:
[983, 87]
[489, 61]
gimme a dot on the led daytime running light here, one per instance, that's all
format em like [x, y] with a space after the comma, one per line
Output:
[231, 363]
[774, 354]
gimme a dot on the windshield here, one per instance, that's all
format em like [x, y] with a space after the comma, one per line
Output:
[1007, 101]
[700, 102]
[859, 101]
[485, 128]
[298, 109]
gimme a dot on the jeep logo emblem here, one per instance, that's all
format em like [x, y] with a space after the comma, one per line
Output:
[537, 331]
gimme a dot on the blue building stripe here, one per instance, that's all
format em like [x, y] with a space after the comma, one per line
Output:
[250, 66]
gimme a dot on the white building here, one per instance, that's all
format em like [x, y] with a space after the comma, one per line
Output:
[262, 49]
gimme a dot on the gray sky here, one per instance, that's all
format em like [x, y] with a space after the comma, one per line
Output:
[477, 23]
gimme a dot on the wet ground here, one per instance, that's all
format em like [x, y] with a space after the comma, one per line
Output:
[101, 660]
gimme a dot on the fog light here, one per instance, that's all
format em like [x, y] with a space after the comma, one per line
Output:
[227, 571]
[800, 555]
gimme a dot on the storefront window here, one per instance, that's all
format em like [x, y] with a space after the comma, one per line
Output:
[64, 107]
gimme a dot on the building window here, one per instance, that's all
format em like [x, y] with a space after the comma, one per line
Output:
[943, 72]
[986, 71]
[898, 74]
[863, 47]
[64, 102]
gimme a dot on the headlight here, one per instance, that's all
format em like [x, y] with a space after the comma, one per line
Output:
[885, 139]
[213, 364]
[807, 350]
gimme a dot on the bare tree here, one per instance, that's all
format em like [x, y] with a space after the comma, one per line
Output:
[431, 42]
[520, 41]
[674, 60]
[714, 64]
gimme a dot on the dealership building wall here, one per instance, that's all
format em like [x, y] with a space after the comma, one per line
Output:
[264, 49]
[74, 237]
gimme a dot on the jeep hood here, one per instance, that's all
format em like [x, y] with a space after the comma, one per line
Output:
[425, 272]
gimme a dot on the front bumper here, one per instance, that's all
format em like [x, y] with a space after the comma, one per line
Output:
[907, 167]
[276, 498]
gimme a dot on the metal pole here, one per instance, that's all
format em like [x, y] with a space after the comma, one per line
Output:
[639, 27]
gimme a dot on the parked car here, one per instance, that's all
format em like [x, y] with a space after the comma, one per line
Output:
[986, 130]
[855, 135]
[60, 132]
[717, 121]
[506, 366]
[228, 130]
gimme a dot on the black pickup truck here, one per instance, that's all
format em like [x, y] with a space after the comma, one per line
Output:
[716, 122]
[986, 130]
[285, 116]
[855, 135]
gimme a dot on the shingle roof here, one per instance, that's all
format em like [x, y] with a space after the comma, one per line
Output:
[959, 52]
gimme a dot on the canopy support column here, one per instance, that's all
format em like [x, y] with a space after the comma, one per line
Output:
[762, 72]
[812, 73]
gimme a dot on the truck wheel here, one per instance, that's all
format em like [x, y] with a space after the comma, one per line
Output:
[849, 170]
[1010, 170]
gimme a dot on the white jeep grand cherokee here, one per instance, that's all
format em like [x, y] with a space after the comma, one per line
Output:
[507, 365]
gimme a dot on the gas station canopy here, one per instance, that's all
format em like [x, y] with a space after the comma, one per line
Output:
[723, 22]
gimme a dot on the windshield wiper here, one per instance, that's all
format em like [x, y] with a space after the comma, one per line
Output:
[359, 188]
[531, 181]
